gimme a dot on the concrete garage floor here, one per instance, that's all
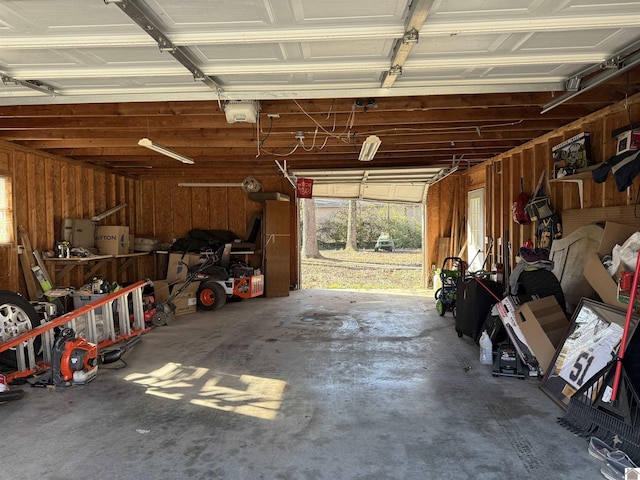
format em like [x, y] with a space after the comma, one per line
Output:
[320, 385]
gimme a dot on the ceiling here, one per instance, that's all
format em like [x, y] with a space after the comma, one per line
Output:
[443, 84]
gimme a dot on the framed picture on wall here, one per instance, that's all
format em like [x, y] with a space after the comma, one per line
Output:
[571, 155]
[592, 341]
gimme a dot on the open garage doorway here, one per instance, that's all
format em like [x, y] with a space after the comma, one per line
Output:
[387, 191]
[361, 245]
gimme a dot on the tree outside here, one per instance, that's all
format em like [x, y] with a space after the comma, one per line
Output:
[309, 230]
[402, 222]
[338, 266]
[352, 218]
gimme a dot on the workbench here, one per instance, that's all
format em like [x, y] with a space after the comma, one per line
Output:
[92, 265]
[126, 261]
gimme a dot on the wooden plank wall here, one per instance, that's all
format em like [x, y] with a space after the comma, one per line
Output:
[575, 218]
[47, 189]
[446, 222]
[446, 213]
[528, 161]
[168, 211]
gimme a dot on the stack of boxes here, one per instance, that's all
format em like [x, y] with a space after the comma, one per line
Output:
[177, 273]
[84, 233]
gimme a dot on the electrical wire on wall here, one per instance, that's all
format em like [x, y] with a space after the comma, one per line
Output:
[300, 135]
[347, 129]
[313, 144]
[295, 147]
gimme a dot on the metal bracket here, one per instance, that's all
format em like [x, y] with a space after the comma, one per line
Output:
[283, 169]
[412, 36]
[32, 84]
[144, 17]
[573, 84]
[395, 70]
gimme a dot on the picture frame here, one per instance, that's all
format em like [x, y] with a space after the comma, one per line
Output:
[571, 155]
[591, 342]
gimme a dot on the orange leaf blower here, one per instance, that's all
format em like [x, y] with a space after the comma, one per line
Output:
[74, 359]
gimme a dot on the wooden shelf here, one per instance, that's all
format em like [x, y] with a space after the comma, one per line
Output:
[577, 178]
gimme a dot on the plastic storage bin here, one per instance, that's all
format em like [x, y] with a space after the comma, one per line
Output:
[85, 298]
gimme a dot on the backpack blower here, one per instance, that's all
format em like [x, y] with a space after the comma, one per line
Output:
[75, 360]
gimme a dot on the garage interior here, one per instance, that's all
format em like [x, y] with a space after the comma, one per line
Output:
[239, 96]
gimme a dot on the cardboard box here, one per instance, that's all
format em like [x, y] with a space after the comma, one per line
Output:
[179, 264]
[507, 309]
[185, 303]
[79, 232]
[595, 273]
[543, 325]
[112, 240]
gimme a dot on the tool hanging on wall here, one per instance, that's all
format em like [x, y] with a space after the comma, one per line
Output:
[250, 184]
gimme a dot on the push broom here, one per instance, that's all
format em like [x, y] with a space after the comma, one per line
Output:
[608, 406]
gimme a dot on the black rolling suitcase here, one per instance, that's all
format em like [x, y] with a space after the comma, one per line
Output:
[473, 303]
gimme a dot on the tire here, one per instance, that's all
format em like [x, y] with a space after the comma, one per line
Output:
[211, 296]
[440, 308]
[17, 316]
[542, 283]
[159, 319]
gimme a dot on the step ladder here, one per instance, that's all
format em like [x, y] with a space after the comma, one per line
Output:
[119, 323]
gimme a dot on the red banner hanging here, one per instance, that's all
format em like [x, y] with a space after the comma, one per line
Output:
[304, 187]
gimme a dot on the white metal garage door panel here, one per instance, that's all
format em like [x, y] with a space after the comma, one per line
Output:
[386, 192]
[258, 49]
[334, 190]
[402, 185]
[391, 192]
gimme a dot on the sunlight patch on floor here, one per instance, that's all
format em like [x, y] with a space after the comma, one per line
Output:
[248, 395]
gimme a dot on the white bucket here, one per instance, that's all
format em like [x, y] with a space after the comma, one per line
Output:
[437, 281]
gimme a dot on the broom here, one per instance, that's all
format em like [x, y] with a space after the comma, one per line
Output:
[608, 406]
